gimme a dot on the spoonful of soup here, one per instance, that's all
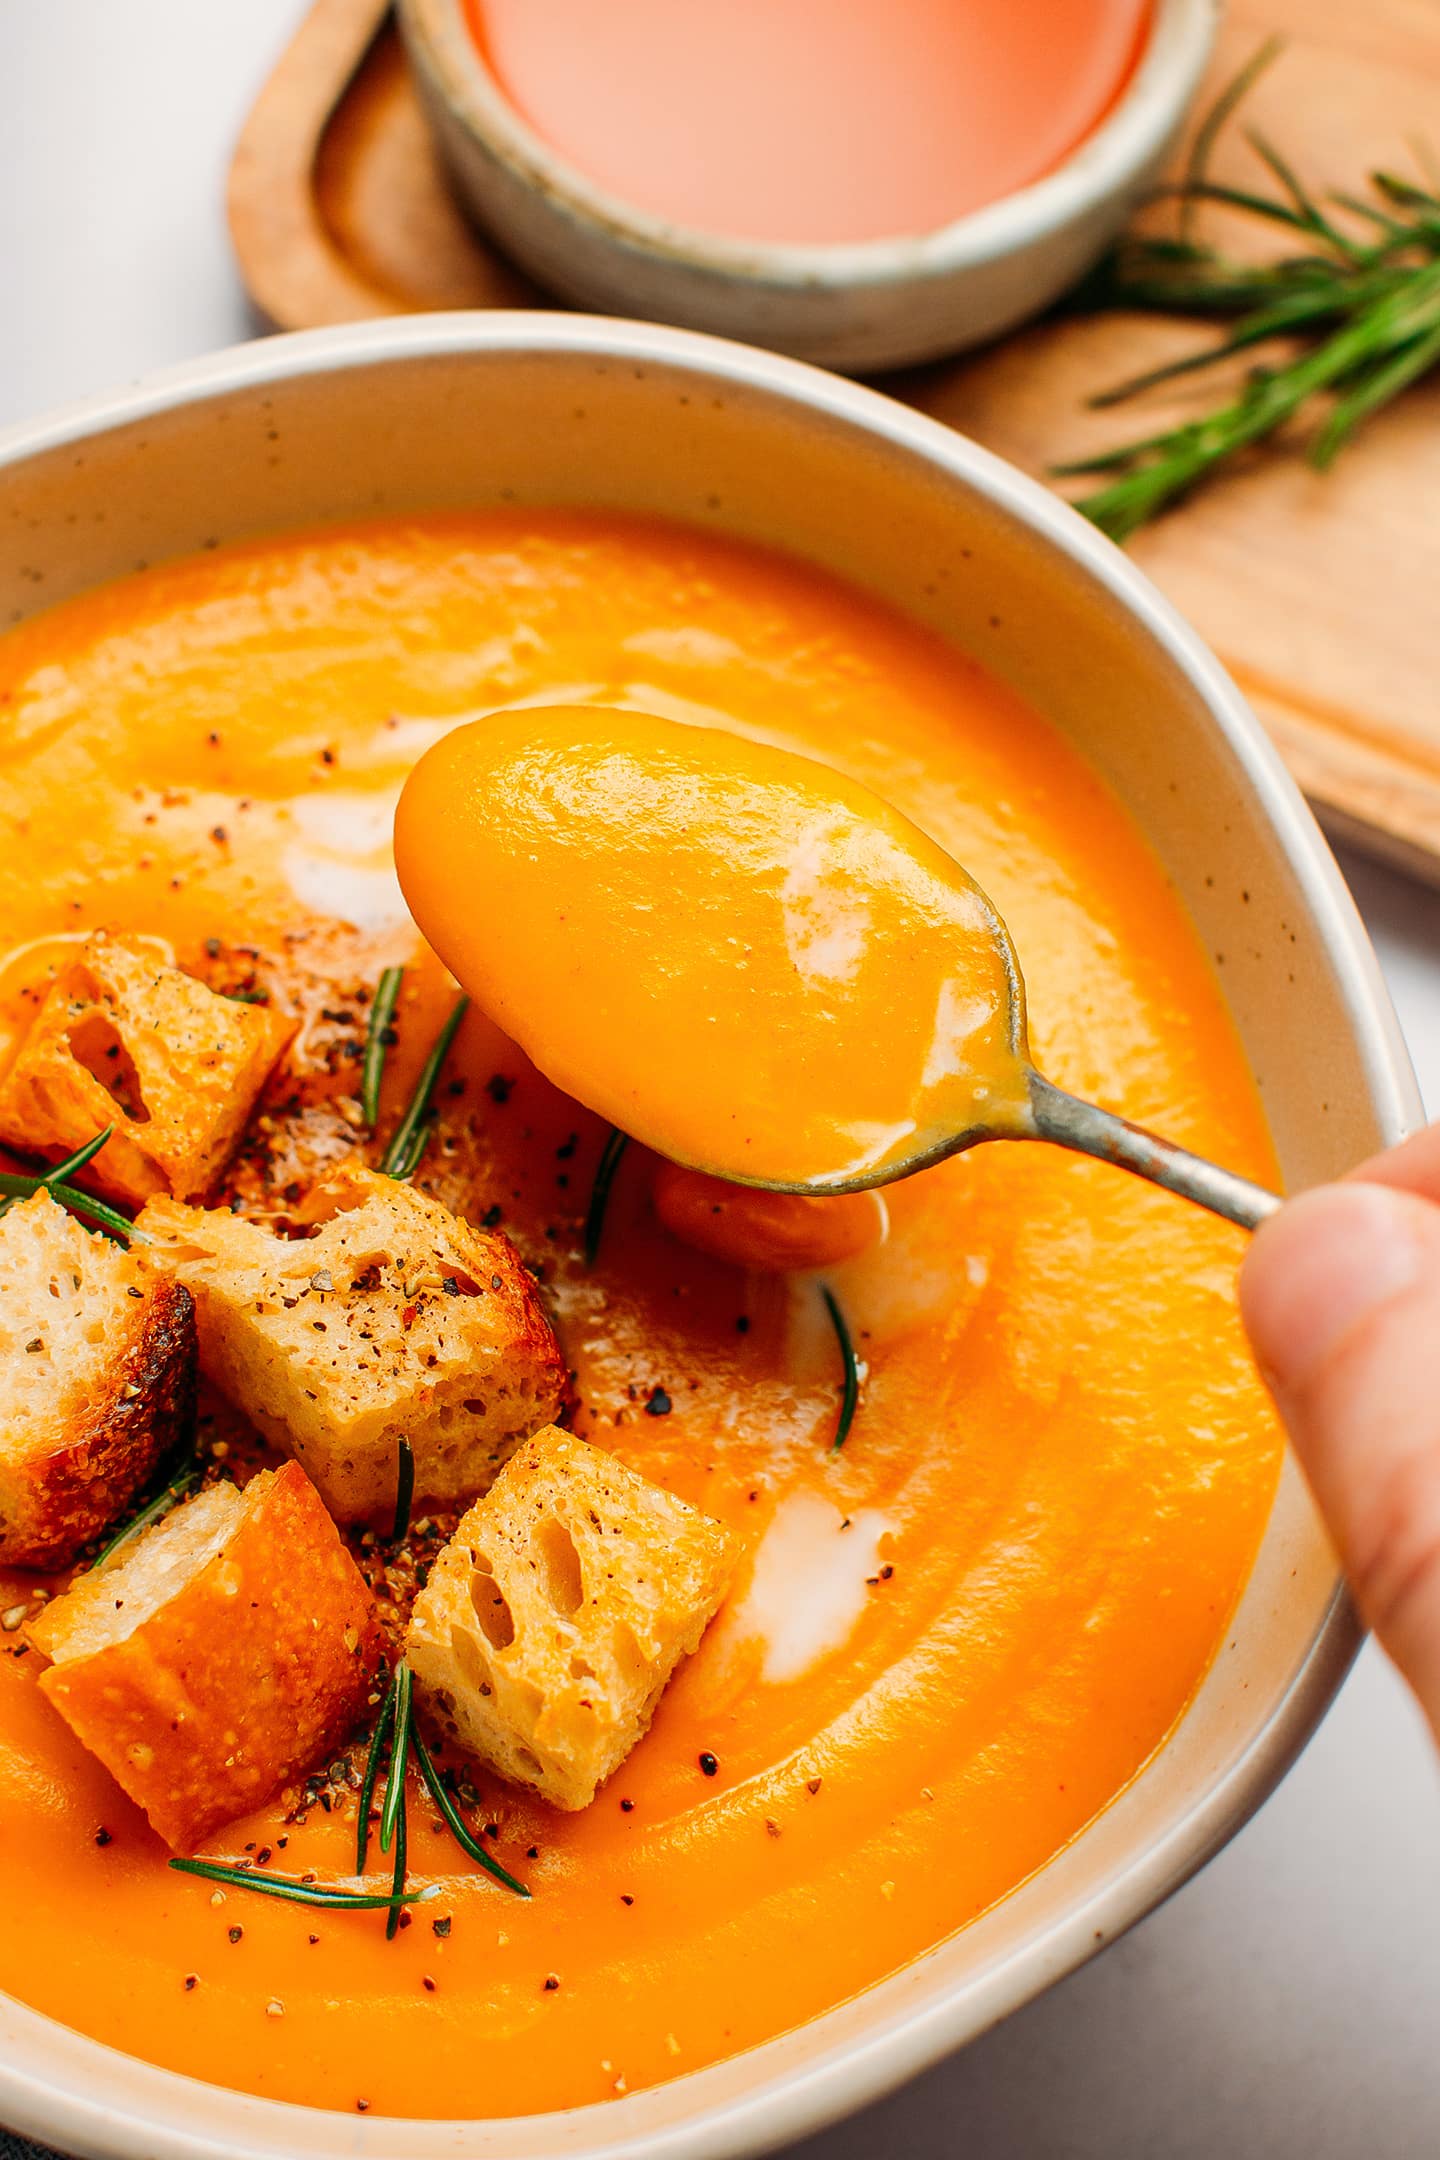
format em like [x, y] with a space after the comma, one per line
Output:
[740, 957]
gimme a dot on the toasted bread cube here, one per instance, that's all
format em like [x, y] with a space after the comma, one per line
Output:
[395, 1320]
[122, 1039]
[97, 1381]
[230, 1647]
[556, 1614]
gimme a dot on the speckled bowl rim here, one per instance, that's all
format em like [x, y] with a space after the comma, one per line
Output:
[1132, 135]
[64, 2089]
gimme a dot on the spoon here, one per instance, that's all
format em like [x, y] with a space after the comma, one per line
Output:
[741, 957]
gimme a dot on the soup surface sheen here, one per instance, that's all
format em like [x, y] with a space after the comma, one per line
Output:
[952, 1643]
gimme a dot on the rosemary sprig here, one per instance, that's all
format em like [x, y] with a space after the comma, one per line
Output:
[398, 1722]
[179, 1487]
[372, 1771]
[453, 1821]
[398, 1705]
[1363, 308]
[605, 1170]
[850, 1365]
[303, 1893]
[404, 1489]
[411, 1136]
[382, 1015]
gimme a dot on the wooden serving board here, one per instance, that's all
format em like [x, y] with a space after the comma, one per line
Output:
[1322, 595]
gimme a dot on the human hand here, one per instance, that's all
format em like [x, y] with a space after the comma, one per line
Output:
[1341, 1294]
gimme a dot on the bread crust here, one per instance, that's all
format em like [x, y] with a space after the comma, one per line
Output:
[554, 1617]
[143, 1411]
[183, 1065]
[115, 1409]
[395, 1319]
[251, 1671]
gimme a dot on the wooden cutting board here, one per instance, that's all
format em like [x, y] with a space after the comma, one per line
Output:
[1321, 595]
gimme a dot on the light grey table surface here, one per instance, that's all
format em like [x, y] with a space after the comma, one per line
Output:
[1286, 2005]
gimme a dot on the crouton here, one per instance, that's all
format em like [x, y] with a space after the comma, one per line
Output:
[98, 1365]
[122, 1039]
[556, 1614]
[230, 1647]
[394, 1320]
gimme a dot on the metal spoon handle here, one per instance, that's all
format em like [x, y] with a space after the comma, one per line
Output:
[1087, 1129]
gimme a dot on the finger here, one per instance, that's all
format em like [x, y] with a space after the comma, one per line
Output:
[1414, 1165]
[1341, 1294]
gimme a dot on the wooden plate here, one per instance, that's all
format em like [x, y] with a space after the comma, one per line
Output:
[1321, 595]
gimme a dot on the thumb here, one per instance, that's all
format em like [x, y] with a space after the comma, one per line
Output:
[1341, 1294]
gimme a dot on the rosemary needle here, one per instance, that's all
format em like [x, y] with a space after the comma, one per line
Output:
[404, 1489]
[183, 1483]
[394, 1817]
[605, 1170]
[850, 1391]
[303, 1893]
[408, 1141]
[59, 1173]
[402, 1839]
[377, 1041]
[78, 1203]
[372, 1771]
[403, 1165]
[1212, 126]
[453, 1820]
[64, 1171]
[393, 1811]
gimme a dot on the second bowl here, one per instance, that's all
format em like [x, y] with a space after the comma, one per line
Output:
[861, 307]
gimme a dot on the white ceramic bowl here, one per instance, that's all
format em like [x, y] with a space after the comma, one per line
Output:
[437, 411]
[877, 304]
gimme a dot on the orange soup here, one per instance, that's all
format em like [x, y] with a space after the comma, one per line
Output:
[951, 1642]
[811, 120]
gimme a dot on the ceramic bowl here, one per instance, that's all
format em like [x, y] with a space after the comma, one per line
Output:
[437, 411]
[877, 304]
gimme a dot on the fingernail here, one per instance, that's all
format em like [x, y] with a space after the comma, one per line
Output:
[1319, 1267]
